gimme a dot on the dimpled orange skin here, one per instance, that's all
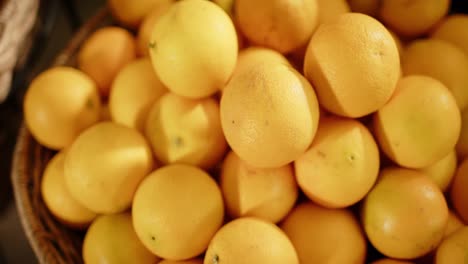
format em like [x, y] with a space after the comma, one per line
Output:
[101, 62]
[322, 235]
[412, 18]
[253, 55]
[405, 214]
[250, 240]
[420, 124]
[353, 64]
[265, 193]
[278, 118]
[59, 104]
[277, 24]
[453, 30]
[176, 211]
[341, 165]
[458, 192]
[447, 63]
[454, 248]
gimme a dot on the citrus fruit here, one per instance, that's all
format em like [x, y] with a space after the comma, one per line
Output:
[105, 113]
[194, 48]
[252, 56]
[269, 114]
[462, 144]
[442, 171]
[458, 191]
[368, 7]
[264, 193]
[391, 261]
[191, 261]
[111, 239]
[454, 248]
[405, 214]
[331, 9]
[134, 90]
[453, 29]
[250, 240]
[420, 124]
[59, 104]
[277, 24]
[454, 223]
[341, 165]
[131, 12]
[104, 53]
[57, 198]
[339, 52]
[183, 130]
[447, 64]
[322, 235]
[226, 5]
[105, 165]
[412, 18]
[176, 211]
[146, 28]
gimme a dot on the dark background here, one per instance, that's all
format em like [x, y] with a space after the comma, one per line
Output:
[58, 19]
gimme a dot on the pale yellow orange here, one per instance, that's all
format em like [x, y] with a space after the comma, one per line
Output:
[59, 104]
[277, 24]
[131, 13]
[420, 124]
[146, 28]
[405, 214]
[254, 55]
[454, 248]
[331, 9]
[194, 48]
[105, 165]
[338, 54]
[250, 240]
[454, 223]
[183, 130]
[453, 29]
[322, 235]
[134, 90]
[342, 164]
[264, 193]
[269, 114]
[177, 210]
[443, 170]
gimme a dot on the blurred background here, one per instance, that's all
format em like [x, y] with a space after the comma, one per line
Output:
[57, 21]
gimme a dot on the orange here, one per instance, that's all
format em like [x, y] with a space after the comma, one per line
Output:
[59, 104]
[454, 223]
[176, 211]
[131, 12]
[104, 53]
[412, 18]
[341, 165]
[253, 56]
[443, 170]
[331, 9]
[405, 214]
[194, 48]
[420, 124]
[454, 248]
[250, 240]
[57, 197]
[105, 165]
[227, 5]
[111, 239]
[269, 114]
[134, 90]
[105, 113]
[277, 24]
[192, 261]
[368, 7]
[391, 261]
[462, 144]
[458, 192]
[453, 29]
[264, 193]
[340, 52]
[183, 130]
[322, 235]
[146, 28]
[447, 64]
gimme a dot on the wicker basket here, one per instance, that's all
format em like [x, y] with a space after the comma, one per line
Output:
[51, 241]
[17, 18]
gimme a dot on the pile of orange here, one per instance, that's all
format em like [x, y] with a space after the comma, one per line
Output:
[267, 131]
